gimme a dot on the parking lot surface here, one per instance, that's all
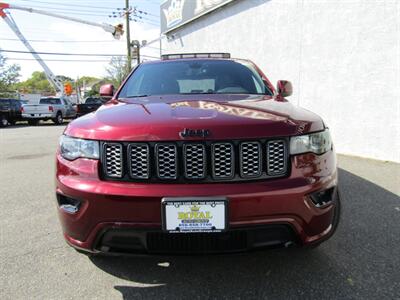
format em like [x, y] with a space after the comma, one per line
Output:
[361, 261]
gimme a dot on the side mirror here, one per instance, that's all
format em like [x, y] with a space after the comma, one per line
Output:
[107, 90]
[284, 88]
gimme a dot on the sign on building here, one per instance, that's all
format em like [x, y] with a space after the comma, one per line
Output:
[175, 13]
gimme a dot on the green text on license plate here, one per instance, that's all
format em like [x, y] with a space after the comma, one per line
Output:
[194, 215]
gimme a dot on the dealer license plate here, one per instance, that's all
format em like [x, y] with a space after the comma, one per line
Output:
[194, 214]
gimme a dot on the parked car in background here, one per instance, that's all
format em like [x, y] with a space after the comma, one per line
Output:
[50, 108]
[10, 111]
[91, 104]
[30, 98]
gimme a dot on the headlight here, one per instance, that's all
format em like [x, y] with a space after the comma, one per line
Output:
[317, 143]
[73, 148]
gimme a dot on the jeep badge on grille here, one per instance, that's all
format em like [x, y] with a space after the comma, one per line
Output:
[194, 133]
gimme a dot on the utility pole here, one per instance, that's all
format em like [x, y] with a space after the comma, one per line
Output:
[78, 90]
[128, 36]
[138, 54]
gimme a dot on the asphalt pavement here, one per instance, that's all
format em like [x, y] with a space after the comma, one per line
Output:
[361, 261]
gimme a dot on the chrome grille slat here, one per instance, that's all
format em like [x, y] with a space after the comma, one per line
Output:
[223, 160]
[276, 157]
[250, 159]
[233, 160]
[138, 157]
[194, 156]
[113, 159]
[166, 161]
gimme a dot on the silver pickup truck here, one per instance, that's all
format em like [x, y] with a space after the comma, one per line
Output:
[50, 108]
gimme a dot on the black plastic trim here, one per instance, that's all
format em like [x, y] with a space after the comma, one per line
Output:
[180, 166]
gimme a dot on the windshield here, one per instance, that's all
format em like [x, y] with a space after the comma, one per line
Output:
[194, 77]
[50, 101]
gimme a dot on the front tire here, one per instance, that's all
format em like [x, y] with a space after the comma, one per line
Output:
[58, 120]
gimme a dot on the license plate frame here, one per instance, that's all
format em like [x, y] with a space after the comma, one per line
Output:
[191, 201]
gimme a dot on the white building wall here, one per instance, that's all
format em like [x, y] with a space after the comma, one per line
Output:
[343, 58]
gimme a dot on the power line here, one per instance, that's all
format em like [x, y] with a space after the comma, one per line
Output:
[141, 11]
[59, 53]
[75, 13]
[59, 60]
[67, 9]
[72, 12]
[59, 41]
[133, 12]
[64, 9]
[150, 14]
[93, 9]
[72, 60]
[69, 41]
[69, 54]
[68, 5]
[40, 30]
[148, 23]
[143, 20]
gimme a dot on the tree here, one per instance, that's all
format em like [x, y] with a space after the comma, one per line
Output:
[117, 70]
[37, 83]
[9, 75]
[87, 80]
[64, 78]
[88, 85]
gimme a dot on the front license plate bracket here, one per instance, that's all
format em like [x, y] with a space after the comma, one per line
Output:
[194, 214]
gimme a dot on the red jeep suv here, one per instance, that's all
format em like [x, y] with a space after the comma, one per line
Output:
[196, 153]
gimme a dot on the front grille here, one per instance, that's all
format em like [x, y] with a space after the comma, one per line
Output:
[138, 156]
[276, 158]
[166, 161]
[194, 156]
[195, 161]
[223, 160]
[250, 159]
[124, 240]
[113, 159]
[159, 242]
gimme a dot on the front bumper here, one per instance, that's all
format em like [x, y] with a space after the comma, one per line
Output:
[134, 209]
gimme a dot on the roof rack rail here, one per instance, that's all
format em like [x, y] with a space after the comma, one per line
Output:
[195, 55]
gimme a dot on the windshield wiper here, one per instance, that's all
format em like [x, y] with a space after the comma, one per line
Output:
[197, 93]
[138, 96]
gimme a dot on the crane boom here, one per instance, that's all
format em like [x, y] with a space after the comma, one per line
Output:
[57, 84]
[116, 31]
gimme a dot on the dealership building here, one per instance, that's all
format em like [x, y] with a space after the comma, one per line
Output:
[343, 58]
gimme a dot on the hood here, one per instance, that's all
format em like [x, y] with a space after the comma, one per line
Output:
[223, 116]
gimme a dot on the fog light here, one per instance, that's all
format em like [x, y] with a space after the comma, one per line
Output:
[68, 204]
[322, 198]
